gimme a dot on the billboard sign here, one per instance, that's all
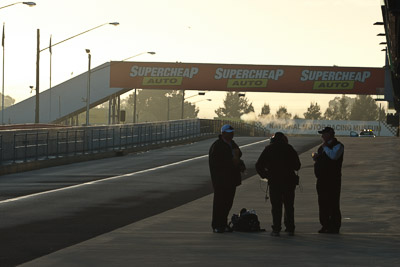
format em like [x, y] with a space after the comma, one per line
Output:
[253, 78]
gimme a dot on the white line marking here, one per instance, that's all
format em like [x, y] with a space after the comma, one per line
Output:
[112, 178]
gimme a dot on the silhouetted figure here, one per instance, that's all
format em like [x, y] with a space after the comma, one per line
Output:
[328, 170]
[278, 163]
[225, 166]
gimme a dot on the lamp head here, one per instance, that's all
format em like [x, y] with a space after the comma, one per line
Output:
[29, 3]
[114, 23]
[87, 51]
[151, 53]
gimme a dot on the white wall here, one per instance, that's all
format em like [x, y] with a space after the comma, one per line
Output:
[299, 126]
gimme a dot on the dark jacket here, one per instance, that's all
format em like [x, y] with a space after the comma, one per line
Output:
[280, 161]
[222, 168]
[326, 168]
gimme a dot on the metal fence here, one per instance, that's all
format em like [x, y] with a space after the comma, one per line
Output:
[32, 145]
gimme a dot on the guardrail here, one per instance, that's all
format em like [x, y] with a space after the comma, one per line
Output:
[22, 146]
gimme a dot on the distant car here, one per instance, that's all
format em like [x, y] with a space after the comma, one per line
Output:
[367, 133]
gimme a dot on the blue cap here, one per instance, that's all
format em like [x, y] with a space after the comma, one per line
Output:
[227, 128]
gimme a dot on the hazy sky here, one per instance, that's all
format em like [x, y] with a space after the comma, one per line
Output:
[265, 32]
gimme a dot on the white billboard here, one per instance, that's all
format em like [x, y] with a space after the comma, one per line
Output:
[300, 126]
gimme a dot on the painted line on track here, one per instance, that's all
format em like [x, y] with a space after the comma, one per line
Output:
[114, 177]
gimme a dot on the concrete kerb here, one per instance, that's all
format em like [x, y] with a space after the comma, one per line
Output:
[182, 236]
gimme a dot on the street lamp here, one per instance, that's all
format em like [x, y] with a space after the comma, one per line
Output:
[135, 95]
[2, 43]
[168, 97]
[208, 99]
[38, 50]
[183, 100]
[151, 53]
[88, 88]
[31, 4]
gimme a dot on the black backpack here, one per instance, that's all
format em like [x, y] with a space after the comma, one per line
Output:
[246, 221]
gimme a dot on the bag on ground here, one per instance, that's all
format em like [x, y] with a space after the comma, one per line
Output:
[246, 221]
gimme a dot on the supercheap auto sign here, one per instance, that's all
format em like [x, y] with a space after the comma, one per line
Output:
[255, 78]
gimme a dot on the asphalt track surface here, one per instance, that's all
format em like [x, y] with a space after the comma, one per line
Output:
[46, 210]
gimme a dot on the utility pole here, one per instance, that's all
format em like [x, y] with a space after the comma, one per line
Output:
[37, 77]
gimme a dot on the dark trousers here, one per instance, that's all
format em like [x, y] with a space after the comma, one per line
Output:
[223, 201]
[281, 194]
[328, 191]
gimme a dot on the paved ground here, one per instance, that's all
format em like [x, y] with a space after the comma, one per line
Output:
[370, 235]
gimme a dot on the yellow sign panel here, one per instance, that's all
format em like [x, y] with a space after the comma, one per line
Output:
[333, 85]
[162, 80]
[247, 83]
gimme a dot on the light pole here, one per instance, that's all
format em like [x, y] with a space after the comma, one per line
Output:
[2, 88]
[38, 50]
[168, 108]
[88, 88]
[183, 100]
[2, 43]
[25, 3]
[135, 93]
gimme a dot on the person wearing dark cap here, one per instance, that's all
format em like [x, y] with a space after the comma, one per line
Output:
[328, 170]
[225, 167]
[278, 163]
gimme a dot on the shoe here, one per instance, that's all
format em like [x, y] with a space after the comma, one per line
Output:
[219, 230]
[290, 233]
[323, 230]
[228, 229]
[273, 233]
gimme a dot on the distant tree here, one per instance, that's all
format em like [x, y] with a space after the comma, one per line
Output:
[8, 100]
[282, 113]
[331, 113]
[381, 114]
[313, 112]
[234, 106]
[265, 110]
[364, 109]
[339, 108]
[296, 117]
[152, 105]
[343, 108]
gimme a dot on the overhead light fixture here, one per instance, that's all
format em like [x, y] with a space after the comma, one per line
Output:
[29, 3]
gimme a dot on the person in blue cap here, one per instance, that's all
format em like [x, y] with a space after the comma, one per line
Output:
[328, 170]
[225, 167]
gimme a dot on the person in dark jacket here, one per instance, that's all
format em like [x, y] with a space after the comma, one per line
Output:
[328, 170]
[224, 163]
[278, 163]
